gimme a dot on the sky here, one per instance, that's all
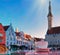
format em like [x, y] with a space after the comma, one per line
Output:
[29, 16]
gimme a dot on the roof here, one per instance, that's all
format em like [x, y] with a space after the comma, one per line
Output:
[17, 33]
[0, 23]
[5, 27]
[50, 14]
[27, 36]
[54, 30]
[38, 39]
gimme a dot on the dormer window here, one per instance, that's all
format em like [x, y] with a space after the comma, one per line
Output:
[1, 34]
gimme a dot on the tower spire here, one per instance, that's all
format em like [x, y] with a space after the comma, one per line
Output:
[50, 12]
[50, 16]
[17, 30]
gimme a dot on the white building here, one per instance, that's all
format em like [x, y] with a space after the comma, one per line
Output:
[10, 35]
[53, 33]
[30, 41]
[24, 39]
[19, 38]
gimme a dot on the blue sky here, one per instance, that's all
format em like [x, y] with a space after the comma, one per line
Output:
[29, 16]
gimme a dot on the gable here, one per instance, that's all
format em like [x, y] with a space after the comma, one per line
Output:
[5, 27]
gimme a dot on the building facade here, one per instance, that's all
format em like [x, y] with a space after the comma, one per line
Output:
[10, 36]
[53, 33]
[2, 35]
[19, 38]
[12, 39]
[7, 35]
[24, 40]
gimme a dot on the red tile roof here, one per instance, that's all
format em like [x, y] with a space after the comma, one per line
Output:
[54, 30]
[38, 39]
[27, 36]
[5, 27]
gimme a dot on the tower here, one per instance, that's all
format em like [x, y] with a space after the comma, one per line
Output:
[49, 16]
[17, 30]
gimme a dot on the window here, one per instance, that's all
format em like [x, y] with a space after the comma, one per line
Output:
[11, 43]
[54, 35]
[7, 38]
[12, 34]
[1, 34]
[0, 40]
[14, 38]
[21, 42]
[7, 43]
[58, 41]
[17, 42]
[10, 38]
[9, 34]
[14, 43]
